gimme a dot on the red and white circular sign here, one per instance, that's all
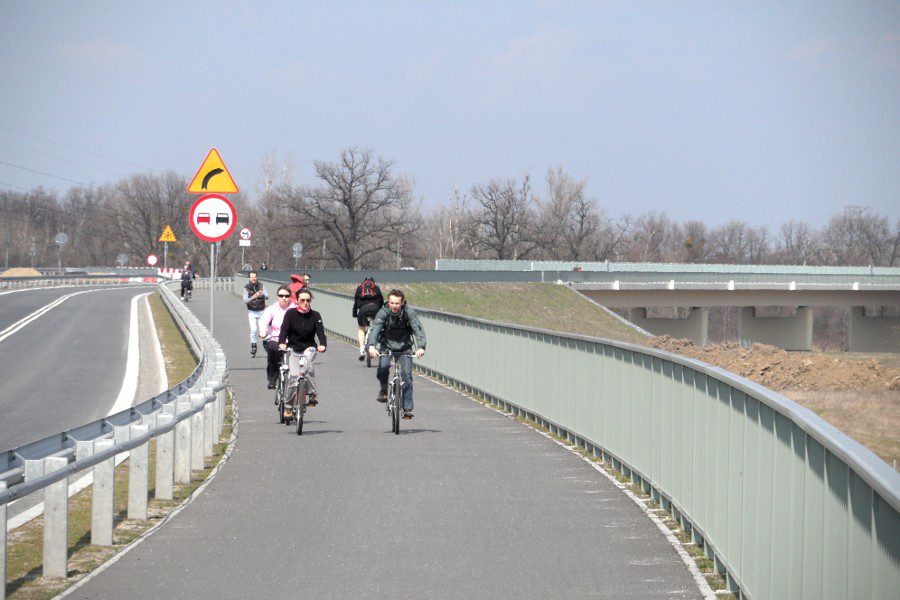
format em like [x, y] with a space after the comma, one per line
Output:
[212, 218]
[152, 260]
[245, 233]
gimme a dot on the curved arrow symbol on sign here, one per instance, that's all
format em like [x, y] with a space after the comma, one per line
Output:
[209, 176]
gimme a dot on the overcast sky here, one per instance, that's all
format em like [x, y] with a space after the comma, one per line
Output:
[760, 111]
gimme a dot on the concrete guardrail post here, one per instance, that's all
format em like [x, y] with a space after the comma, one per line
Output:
[183, 445]
[208, 426]
[138, 476]
[102, 496]
[56, 520]
[165, 460]
[197, 434]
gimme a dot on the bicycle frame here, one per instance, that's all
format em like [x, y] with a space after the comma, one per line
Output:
[395, 388]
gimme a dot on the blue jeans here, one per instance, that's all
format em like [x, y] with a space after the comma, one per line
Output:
[405, 363]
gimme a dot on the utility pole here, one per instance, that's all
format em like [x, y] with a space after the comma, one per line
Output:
[322, 260]
[398, 253]
[6, 264]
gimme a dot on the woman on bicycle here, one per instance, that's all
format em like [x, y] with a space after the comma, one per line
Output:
[270, 327]
[299, 328]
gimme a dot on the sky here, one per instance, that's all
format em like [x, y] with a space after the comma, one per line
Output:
[758, 111]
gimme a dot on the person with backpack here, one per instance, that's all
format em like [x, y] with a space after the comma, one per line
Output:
[366, 302]
[255, 296]
[188, 275]
[396, 327]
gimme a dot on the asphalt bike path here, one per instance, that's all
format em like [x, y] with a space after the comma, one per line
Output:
[464, 503]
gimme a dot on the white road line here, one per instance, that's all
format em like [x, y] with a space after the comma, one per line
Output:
[39, 313]
[162, 378]
[124, 400]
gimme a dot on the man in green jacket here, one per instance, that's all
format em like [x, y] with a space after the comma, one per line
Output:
[396, 328]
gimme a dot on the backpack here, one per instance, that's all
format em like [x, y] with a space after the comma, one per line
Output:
[368, 290]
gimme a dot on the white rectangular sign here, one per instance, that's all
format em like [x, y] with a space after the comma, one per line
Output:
[243, 242]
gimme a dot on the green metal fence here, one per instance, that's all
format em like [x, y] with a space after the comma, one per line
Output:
[787, 505]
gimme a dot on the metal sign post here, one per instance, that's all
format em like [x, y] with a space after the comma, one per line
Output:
[165, 255]
[212, 287]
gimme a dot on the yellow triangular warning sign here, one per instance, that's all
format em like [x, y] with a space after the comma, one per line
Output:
[213, 177]
[168, 235]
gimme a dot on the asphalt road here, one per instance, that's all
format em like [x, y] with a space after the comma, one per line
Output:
[64, 368]
[466, 503]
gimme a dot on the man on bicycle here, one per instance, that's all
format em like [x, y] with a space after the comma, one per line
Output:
[366, 303]
[395, 328]
[188, 275]
[270, 328]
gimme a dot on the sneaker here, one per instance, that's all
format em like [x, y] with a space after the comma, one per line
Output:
[382, 396]
[252, 350]
[312, 400]
[362, 356]
[271, 385]
[407, 414]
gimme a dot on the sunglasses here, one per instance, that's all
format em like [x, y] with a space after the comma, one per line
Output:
[303, 300]
[284, 295]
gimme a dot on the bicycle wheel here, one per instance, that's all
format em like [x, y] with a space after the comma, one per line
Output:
[398, 405]
[279, 400]
[300, 405]
[368, 359]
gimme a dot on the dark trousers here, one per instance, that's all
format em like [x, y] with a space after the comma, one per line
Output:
[405, 362]
[273, 359]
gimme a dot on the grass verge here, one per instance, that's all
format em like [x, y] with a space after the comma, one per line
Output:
[540, 305]
[25, 544]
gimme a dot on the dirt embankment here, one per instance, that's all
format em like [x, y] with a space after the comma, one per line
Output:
[781, 370]
[21, 272]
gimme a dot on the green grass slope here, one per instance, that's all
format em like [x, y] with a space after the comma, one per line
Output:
[542, 305]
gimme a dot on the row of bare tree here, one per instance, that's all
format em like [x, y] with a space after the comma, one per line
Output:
[359, 212]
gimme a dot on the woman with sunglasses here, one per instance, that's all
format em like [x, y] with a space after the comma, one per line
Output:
[270, 327]
[299, 329]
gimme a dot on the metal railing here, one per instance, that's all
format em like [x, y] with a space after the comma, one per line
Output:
[186, 420]
[785, 504]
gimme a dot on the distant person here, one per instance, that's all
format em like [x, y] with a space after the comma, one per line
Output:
[299, 331]
[270, 328]
[396, 328]
[367, 301]
[188, 275]
[298, 282]
[254, 297]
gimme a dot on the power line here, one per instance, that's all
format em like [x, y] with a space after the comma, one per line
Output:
[15, 187]
[2, 162]
[64, 158]
[34, 137]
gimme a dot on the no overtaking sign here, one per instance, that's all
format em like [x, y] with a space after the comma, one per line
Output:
[212, 218]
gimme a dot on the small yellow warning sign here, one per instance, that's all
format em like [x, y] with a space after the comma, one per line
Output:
[213, 177]
[168, 235]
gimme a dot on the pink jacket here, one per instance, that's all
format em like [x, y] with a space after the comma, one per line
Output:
[272, 318]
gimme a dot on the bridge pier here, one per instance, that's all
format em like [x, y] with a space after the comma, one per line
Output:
[694, 328]
[873, 334]
[790, 333]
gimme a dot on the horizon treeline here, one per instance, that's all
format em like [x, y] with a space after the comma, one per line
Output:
[360, 212]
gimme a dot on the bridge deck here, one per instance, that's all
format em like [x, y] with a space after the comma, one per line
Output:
[466, 503]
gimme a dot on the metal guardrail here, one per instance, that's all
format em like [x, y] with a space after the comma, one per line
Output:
[186, 419]
[14, 283]
[786, 505]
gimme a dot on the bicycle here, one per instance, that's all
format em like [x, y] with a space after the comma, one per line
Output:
[395, 389]
[291, 409]
[187, 291]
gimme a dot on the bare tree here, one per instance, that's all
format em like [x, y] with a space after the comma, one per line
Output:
[506, 218]
[360, 204]
[569, 221]
[651, 238]
[859, 237]
[797, 243]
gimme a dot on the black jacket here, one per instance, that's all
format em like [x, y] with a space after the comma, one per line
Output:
[359, 302]
[299, 330]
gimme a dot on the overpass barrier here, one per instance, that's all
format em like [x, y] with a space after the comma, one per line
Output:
[186, 420]
[787, 505]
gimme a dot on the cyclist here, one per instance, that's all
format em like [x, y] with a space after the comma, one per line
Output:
[255, 296]
[299, 329]
[188, 275]
[366, 302]
[395, 328]
[270, 327]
